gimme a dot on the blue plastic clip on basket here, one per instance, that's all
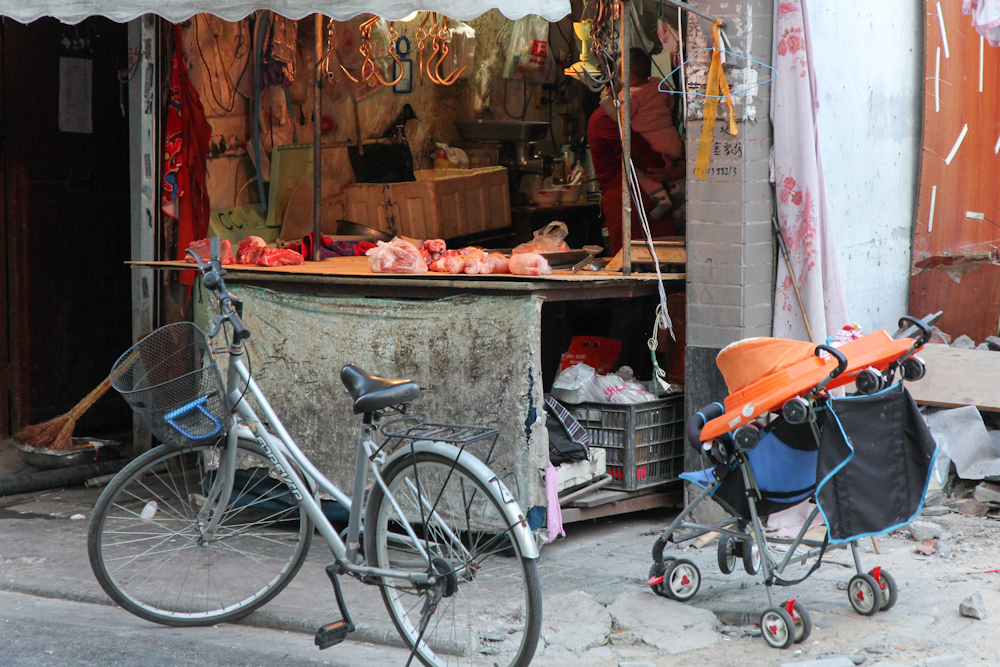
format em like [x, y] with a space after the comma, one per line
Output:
[170, 380]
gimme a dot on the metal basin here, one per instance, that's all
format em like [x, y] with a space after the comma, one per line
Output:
[502, 130]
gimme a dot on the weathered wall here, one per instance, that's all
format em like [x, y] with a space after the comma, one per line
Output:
[871, 94]
[473, 357]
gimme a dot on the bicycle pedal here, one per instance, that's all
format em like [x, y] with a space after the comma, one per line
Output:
[332, 634]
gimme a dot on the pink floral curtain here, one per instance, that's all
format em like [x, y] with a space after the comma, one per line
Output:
[797, 173]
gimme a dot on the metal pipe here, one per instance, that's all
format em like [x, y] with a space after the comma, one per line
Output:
[317, 143]
[695, 10]
[625, 123]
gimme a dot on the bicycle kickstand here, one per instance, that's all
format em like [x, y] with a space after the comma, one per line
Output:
[332, 634]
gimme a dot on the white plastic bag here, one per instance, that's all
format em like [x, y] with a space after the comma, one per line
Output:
[550, 238]
[528, 52]
[396, 256]
[571, 385]
[611, 388]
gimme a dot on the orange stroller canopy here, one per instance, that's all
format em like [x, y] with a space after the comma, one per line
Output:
[746, 361]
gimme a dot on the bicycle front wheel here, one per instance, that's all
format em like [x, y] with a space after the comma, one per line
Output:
[152, 550]
[489, 601]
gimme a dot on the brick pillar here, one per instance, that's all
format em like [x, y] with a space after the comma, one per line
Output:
[730, 248]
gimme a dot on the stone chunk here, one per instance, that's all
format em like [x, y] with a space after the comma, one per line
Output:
[575, 622]
[670, 626]
[835, 661]
[964, 342]
[987, 492]
[939, 337]
[953, 659]
[993, 342]
[924, 530]
[973, 606]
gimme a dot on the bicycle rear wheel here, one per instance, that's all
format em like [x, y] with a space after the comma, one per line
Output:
[490, 612]
[149, 548]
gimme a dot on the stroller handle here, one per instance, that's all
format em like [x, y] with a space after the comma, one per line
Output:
[925, 331]
[841, 364]
[698, 420]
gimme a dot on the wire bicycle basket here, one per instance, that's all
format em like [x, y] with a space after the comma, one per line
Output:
[171, 381]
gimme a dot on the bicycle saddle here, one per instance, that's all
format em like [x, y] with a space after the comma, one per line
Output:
[371, 393]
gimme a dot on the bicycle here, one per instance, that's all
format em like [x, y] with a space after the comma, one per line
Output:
[218, 519]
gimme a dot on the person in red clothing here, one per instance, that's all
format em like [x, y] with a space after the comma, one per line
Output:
[606, 153]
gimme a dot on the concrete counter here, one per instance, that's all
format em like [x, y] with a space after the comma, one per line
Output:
[473, 343]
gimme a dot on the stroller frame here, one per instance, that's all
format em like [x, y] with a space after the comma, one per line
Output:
[788, 622]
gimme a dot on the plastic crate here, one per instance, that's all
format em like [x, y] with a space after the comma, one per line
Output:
[644, 442]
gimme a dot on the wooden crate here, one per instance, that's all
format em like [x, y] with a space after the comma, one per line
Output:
[441, 203]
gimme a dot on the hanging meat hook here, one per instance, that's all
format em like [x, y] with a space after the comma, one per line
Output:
[420, 36]
[445, 35]
[436, 48]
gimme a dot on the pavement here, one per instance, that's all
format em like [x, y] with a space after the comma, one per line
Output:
[598, 608]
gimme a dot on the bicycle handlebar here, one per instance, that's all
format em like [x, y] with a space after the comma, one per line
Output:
[230, 307]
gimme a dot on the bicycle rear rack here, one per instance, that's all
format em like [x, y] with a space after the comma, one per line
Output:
[410, 428]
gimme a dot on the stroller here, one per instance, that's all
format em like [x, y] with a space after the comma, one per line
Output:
[864, 461]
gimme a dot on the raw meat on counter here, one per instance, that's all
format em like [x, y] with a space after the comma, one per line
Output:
[253, 250]
[454, 261]
[529, 264]
[432, 249]
[396, 256]
[203, 248]
[495, 262]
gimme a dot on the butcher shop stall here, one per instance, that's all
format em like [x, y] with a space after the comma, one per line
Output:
[415, 194]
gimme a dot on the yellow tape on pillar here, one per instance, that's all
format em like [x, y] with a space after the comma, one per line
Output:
[716, 83]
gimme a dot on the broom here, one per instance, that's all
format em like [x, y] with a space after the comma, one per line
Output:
[57, 433]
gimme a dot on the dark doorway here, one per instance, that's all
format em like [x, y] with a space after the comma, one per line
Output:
[64, 220]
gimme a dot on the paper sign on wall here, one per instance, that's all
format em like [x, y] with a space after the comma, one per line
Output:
[76, 95]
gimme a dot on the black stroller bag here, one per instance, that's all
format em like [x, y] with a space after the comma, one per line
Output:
[874, 463]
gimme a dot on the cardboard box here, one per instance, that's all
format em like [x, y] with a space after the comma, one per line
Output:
[441, 203]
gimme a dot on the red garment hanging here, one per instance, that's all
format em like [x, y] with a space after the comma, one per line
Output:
[185, 195]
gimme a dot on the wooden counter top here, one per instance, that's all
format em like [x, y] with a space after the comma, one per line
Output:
[350, 276]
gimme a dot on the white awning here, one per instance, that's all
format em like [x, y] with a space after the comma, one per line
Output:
[175, 11]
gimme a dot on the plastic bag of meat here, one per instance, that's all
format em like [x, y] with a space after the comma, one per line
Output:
[203, 248]
[550, 238]
[529, 264]
[396, 256]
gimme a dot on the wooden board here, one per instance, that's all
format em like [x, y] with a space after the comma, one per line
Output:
[957, 377]
[358, 267]
[667, 252]
[956, 223]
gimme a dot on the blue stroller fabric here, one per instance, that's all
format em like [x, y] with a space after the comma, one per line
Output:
[783, 465]
[874, 464]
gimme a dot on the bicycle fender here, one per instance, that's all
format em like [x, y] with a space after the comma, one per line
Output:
[516, 519]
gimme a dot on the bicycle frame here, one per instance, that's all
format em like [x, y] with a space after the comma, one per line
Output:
[281, 449]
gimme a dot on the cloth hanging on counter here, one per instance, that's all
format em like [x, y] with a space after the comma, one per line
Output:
[185, 148]
[797, 174]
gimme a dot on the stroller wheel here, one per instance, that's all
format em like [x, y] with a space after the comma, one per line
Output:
[656, 571]
[890, 591]
[751, 557]
[800, 619]
[914, 369]
[778, 628]
[727, 554]
[864, 594]
[681, 580]
[869, 381]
